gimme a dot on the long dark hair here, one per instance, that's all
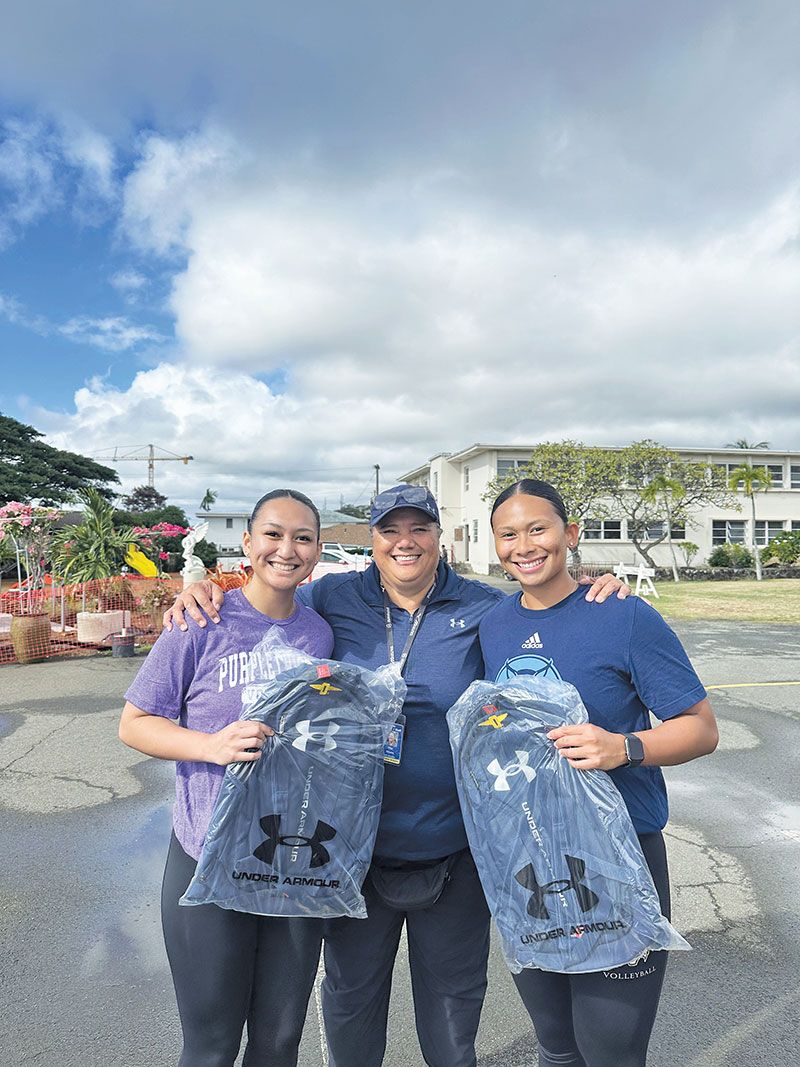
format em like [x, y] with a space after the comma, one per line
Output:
[532, 487]
[279, 494]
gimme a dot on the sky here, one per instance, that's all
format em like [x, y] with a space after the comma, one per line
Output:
[296, 241]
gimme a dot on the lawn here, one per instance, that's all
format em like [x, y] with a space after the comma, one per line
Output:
[773, 600]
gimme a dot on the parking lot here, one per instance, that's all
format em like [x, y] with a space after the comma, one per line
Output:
[85, 824]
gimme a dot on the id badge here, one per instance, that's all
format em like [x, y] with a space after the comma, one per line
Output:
[393, 749]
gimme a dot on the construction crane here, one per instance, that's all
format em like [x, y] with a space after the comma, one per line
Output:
[141, 452]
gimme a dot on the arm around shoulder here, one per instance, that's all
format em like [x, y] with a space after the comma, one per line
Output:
[197, 598]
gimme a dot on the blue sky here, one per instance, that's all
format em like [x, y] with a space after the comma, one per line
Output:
[295, 243]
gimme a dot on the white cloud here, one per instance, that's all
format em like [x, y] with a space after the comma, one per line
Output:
[28, 161]
[113, 334]
[45, 164]
[129, 282]
[243, 437]
[161, 189]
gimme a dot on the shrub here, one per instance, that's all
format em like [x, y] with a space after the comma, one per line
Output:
[689, 550]
[785, 548]
[736, 556]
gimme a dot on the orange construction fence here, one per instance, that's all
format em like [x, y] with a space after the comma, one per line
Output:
[83, 618]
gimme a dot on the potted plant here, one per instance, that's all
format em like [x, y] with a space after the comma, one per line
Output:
[91, 552]
[29, 529]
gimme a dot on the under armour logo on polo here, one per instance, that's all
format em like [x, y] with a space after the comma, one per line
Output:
[325, 687]
[271, 825]
[457, 623]
[587, 899]
[322, 736]
[502, 774]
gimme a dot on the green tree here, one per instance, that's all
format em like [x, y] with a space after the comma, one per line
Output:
[645, 462]
[668, 491]
[32, 471]
[751, 480]
[208, 500]
[358, 511]
[583, 475]
[144, 498]
[94, 549]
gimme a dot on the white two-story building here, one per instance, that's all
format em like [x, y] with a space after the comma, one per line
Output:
[225, 528]
[458, 480]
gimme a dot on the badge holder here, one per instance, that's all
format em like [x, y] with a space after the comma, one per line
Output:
[393, 749]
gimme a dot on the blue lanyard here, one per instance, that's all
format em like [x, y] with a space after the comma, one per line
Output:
[416, 622]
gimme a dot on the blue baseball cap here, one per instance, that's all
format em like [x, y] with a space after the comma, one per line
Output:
[403, 496]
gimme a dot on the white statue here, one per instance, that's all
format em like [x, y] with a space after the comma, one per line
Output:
[193, 568]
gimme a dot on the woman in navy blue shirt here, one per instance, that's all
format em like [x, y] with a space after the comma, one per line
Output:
[625, 665]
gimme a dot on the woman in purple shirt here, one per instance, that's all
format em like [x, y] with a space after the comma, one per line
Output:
[230, 968]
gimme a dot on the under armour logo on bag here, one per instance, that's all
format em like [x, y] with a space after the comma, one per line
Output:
[502, 774]
[271, 825]
[587, 899]
[320, 736]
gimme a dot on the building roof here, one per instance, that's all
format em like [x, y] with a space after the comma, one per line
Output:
[348, 533]
[327, 517]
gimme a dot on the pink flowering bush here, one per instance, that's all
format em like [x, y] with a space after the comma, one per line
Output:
[161, 540]
[28, 529]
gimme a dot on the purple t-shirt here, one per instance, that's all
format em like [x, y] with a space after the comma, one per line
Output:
[197, 677]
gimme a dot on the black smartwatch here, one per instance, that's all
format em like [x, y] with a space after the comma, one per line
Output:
[634, 750]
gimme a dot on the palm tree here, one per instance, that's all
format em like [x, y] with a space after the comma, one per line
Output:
[753, 480]
[95, 549]
[208, 500]
[668, 490]
[742, 442]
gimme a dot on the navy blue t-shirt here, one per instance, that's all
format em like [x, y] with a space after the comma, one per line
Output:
[421, 817]
[621, 657]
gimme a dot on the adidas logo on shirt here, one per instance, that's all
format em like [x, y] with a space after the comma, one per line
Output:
[532, 642]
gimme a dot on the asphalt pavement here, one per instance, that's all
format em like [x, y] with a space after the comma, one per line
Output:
[85, 824]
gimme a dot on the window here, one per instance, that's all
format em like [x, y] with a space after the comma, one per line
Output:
[602, 530]
[436, 485]
[656, 529]
[727, 531]
[474, 529]
[766, 530]
[795, 525]
[229, 524]
[775, 471]
[466, 479]
[508, 466]
[795, 482]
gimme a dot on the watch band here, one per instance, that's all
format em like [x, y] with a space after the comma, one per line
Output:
[634, 750]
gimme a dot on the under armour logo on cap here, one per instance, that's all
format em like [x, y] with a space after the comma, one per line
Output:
[502, 774]
[271, 825]
[323, 736]
[587, 899]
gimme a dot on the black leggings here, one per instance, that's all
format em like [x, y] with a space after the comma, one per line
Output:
[601, 1019]
[229, 968]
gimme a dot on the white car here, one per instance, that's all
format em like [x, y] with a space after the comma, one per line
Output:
[333, 562]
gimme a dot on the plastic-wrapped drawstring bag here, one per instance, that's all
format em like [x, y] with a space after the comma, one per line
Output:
[292, 833]
[558, 857]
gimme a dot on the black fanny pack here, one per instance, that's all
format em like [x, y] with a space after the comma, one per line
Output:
[411, 885]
